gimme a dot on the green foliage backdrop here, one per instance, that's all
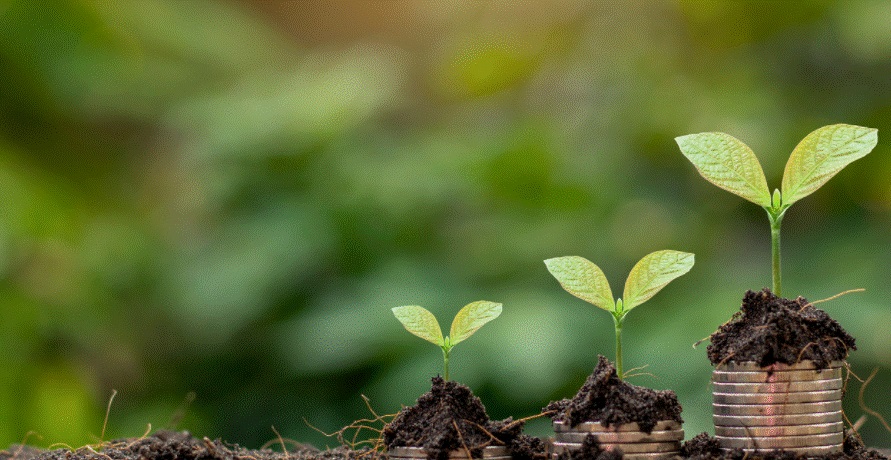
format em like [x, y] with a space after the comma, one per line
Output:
[227, 198]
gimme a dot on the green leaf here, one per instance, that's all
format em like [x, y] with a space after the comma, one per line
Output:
[728, 163]
[472, 317]
[581, 278]
[652, 273]
[420, 322]
[822, 154]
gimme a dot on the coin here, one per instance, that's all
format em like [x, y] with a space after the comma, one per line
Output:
[622, 437]
[769, 377]
[778, 387]
[664, 425]
[788, 430]
[632, 448]
[776, 367]
[816, 440]
[810, 451]
[490, 452]
[777, 409]
[777, 398]
[559, 448]
[774, 420]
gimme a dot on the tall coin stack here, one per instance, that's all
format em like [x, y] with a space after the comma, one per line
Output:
[791, 407]
[663, 442]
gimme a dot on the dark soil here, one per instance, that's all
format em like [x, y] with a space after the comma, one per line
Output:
[170, 445]
[449, 417]
[606, 399]
[770, 329]
[704, 447]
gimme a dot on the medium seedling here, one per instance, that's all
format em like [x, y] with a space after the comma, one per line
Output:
[730, 164]
[581, 278]
[420, 322]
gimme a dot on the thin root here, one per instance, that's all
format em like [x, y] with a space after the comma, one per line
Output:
[863, 404]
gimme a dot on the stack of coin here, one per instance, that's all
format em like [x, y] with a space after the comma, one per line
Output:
[791, 407]
[663, 442]
[416, 453]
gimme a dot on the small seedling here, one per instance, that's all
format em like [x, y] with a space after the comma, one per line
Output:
[730, 164]
[581, 278]
[420, 322]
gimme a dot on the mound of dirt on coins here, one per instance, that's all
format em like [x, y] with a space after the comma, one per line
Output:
[606, 399]
[170, 445]
[770, 329]
[449, 417]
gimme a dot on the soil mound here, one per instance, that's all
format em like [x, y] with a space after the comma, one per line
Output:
[770, 329]
[449, 417]
[606, 399]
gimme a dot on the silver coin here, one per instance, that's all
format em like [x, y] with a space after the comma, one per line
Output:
[770, 377]
[778, 387]
[810, 451]
[622, 437]
[557, 450]
[774, 420]
[815, 440]
[777, 367]
[777, 409]
[777, 398]
[631, 448]
[587, 427]
[491, 452]
[788, 430]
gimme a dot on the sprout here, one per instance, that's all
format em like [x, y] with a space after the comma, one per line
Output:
[730, 164]
[581, 278]
[420, 322]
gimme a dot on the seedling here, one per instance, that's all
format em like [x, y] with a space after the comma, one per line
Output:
[581, 278]
[730, 164]
[420, 322]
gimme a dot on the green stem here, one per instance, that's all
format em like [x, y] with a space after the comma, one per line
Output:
[775, 220]
[618, 322]
[445, 360]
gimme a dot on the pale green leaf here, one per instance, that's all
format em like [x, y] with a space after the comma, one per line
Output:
[472, 317]
[822, 154]
[652, 273]
[420, 322]
[581, 278]
[728, 163]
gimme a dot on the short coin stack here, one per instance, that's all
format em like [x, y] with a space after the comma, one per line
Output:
[791, 407]
[662, 443]
[416, 453]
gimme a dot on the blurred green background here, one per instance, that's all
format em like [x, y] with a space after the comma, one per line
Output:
[227, 198]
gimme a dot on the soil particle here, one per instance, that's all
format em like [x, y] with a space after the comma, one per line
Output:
[770, 329]
[170, 445]
[606, 399]
[449, 417]
[704, 447]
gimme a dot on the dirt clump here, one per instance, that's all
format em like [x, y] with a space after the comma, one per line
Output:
[770, 329]
[167, 445]
[606, 399]
[449, 417]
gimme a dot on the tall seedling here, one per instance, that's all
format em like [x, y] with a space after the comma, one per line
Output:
[730, 164]
[581, 278]
[420, 322]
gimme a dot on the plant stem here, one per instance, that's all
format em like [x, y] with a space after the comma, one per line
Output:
[775, 220]
[445, 360]
[618, 322]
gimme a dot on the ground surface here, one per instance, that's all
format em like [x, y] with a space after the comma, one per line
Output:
[704, 447]
[770, 329]
[606, 399]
